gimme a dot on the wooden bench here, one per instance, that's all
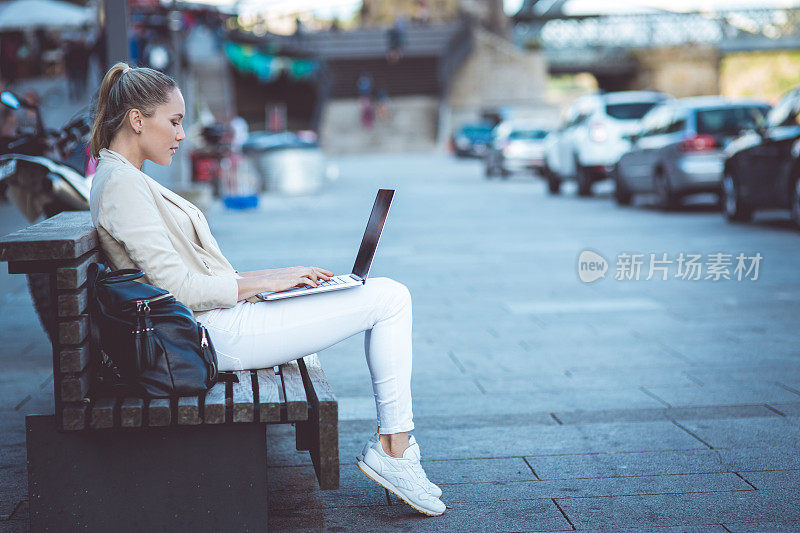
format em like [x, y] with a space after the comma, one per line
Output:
[160, 464]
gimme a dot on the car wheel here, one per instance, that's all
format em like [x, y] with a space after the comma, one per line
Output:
[796, 202]
[622, 194]
[491, 169]
[583, 179]
[732, 205]
[666, 197]
[553, 183]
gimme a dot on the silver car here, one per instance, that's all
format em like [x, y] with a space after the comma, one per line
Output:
[517, 146]
[679, 149]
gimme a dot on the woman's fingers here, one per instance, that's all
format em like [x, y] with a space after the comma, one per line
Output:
[327, 274]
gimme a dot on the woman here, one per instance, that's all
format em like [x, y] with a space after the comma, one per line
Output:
[142, 224]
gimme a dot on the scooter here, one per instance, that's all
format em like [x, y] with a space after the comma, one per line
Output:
[43, 173]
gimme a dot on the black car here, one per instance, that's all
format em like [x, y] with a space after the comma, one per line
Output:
[472, 140]
[762, 168]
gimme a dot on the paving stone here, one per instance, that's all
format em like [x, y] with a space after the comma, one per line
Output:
[774, 479]
[760, 527]
[565, 466]
[518, 441]
[682, 509]
[750, 432]
[588, 487]
[680, 413]
[541, 401]
[521, 515]
[788, 409]
[710, 528]
[772, 457]
[733, 393]
[474, 470]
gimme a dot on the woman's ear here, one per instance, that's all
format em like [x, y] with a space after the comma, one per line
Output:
[135, 120]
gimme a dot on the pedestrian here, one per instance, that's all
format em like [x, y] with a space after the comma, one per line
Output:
[141, 224]
[382, 104]
[395, 38]
[9, 122]
[365, 104]
[10, 44]
[76, 65]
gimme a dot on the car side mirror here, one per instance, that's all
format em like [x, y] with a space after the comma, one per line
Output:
[9, 99]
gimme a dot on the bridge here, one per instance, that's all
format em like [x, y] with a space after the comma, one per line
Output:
[607, 43]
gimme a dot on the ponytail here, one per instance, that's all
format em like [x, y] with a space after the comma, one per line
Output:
[125, 88]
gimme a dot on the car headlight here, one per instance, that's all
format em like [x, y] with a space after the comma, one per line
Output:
[598, 132]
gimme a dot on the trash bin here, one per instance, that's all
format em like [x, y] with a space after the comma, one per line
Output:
[287, 163]
[239, 182]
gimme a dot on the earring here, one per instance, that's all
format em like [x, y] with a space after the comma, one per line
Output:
[138, 131]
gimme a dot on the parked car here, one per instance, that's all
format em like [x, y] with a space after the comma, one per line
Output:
[472, 139]
[762, 169]
[592, 137]
[516, 146]
[679, 149]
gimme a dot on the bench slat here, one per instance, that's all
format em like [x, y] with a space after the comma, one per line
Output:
[189, 410]
[67, 235]
[102, 413]
[316, 376]
[269, 401]
[74, 358]
[73, 331]
[74, 386]
[130, 412]
[73, 416]
[320, 433]
[72, 303]
[243, 397]
[158, 412]
[214, 405]
[295, 392]
[74, 276]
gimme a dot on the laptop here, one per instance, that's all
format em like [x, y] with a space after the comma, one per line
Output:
[369, 243]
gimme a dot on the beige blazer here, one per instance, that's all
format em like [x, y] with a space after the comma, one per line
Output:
[139, 224]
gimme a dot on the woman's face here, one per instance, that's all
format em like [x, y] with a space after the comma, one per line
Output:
[163, 131]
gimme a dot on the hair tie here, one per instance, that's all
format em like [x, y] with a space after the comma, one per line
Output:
[126, 70]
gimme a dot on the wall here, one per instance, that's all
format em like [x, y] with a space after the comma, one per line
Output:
[498, 75]
[411, 126]
[679, 70]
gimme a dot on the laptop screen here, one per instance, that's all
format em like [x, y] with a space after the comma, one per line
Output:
[373, 232]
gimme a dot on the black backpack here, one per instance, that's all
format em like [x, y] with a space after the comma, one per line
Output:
[146, 342]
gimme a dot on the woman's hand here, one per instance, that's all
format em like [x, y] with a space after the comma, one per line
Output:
[281, 279]
[285, 278]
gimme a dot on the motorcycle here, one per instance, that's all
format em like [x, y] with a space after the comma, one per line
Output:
[43, 173]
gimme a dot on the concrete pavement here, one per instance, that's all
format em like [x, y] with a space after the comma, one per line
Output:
[541, 403]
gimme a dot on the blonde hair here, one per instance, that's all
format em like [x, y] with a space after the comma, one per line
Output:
[125, 88]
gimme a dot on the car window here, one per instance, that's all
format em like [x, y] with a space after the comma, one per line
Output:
[655, 122]
[677, 123]
[474, 131]
[785, 112]
[728, 120]
[528, 134]
[630, 110]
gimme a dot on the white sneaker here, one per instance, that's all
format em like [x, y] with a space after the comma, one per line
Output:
[403, 476]
[433, 488]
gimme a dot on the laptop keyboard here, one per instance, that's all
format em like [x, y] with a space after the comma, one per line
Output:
[336, 280]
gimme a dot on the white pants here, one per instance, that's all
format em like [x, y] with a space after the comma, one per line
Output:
[265, 334]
